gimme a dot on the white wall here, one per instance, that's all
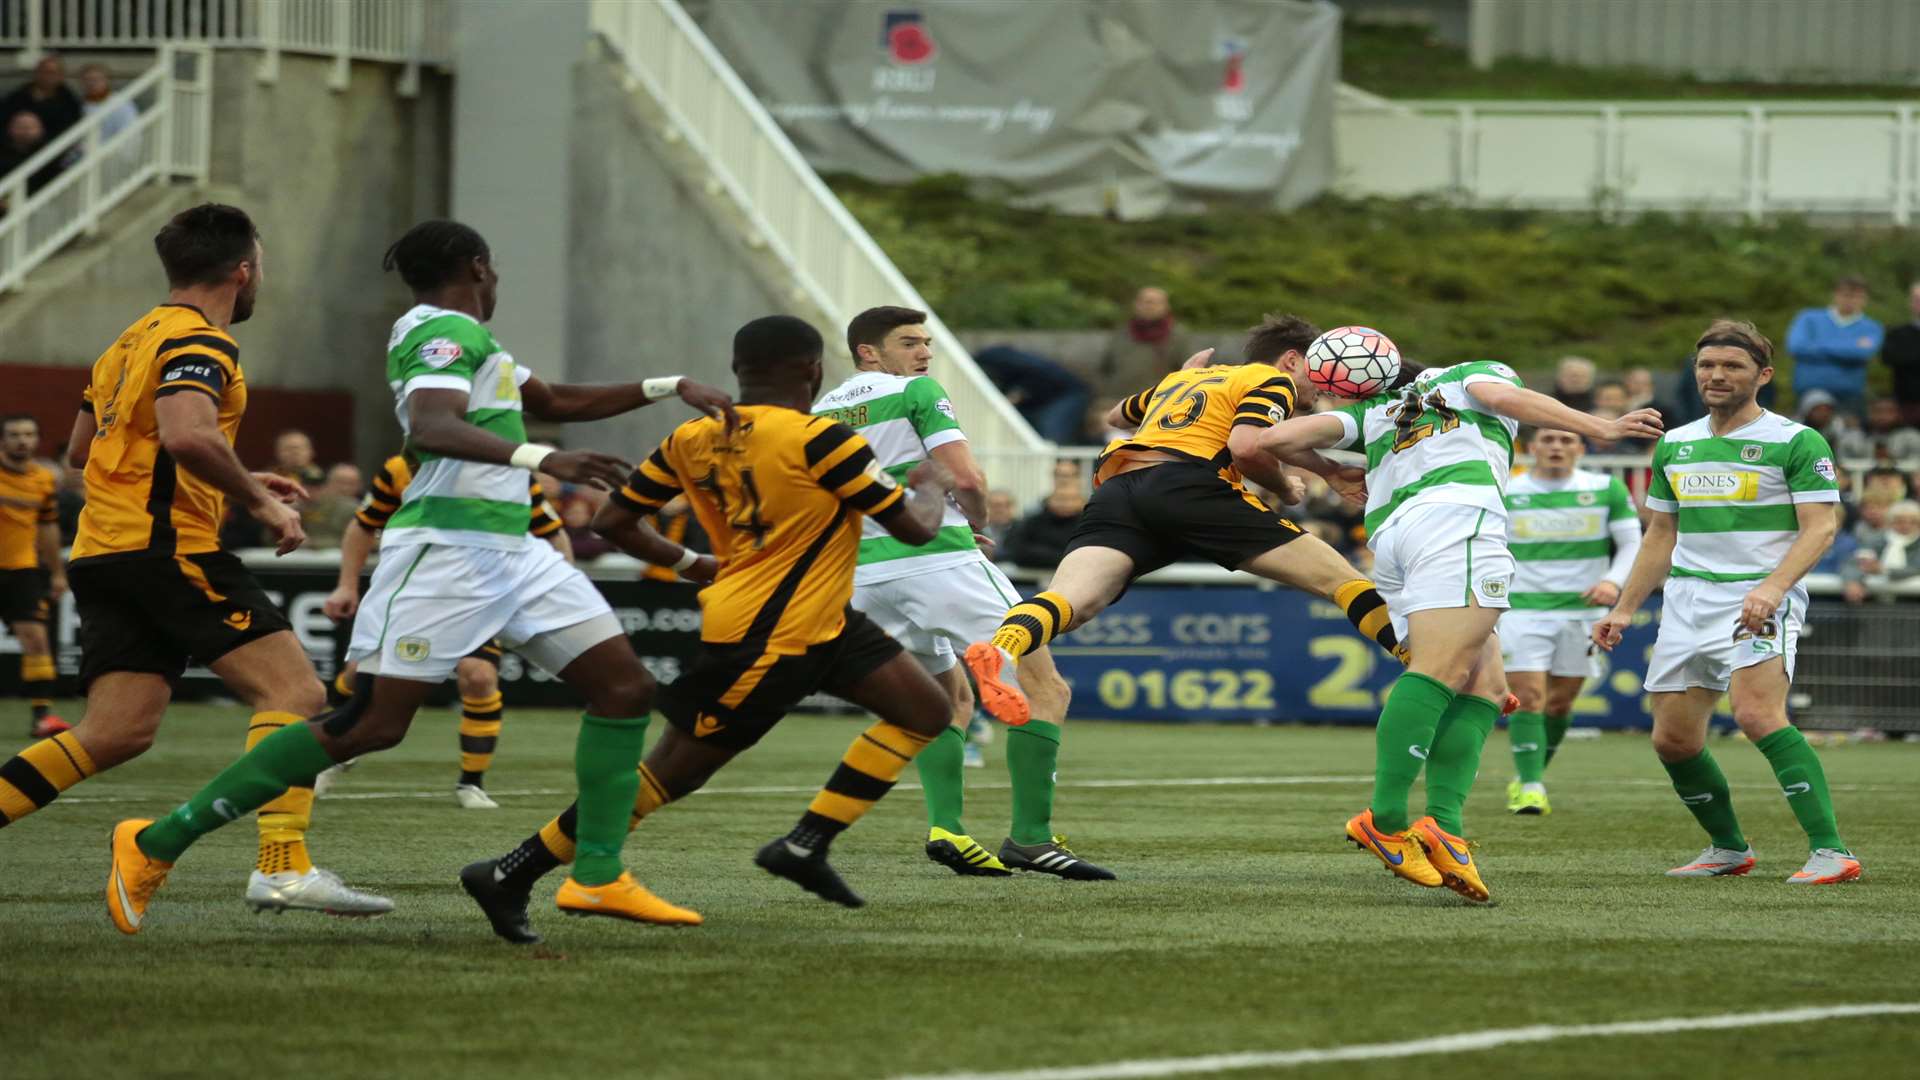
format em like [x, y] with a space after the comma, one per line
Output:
[512, 123]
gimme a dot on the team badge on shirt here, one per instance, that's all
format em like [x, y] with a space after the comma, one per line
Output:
[1750, 452]
[439, 352]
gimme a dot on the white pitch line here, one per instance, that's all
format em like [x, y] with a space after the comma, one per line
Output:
[808, 789]
[1463, 1043]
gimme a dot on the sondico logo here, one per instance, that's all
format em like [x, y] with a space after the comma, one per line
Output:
[1418, 751]
[1800, 788]
[1697, 800]
[226, 810]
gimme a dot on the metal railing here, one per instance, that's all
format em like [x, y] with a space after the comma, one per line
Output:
[833, 262]
[407, 32]
[1838, 157]
[167, 137]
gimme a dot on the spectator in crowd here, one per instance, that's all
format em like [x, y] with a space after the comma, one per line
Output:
[1146, 349]
[1871, 531]
[1573, 382]
[293, 459]
[1001, 513]
[1053, 399]
[1885, 482]
[1890, 552]
[1038, 540]
[95, 88]
[1820, 411]
[25, 136]
[46, 96]
[1885, 437]
[1831, 346]
[1902, 354]
[576, 512]
[325, 517]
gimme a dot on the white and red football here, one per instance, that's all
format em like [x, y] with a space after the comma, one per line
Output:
[1352, 362]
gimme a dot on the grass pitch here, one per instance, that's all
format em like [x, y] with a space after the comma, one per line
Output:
[1242, 923]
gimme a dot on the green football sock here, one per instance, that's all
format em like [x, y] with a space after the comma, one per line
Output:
[1033, 753]
[1703, 787]
[1804, 783]
[940, 766]
[606, 762]
[287, 757]
[1400, 743]
[1527, 735]
[1455, 758]
[1556, 731]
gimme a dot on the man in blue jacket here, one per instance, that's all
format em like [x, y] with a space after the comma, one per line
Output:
[1831, 346]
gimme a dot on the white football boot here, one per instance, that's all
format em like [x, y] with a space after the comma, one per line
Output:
[1827, 867]
[474, 797]
[329, 776]
[315, 890]
[1716, 862]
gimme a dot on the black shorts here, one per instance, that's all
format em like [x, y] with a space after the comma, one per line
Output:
[1175, 511]
[491, 652]
[734, 694]
[158, 614]
[23, 596]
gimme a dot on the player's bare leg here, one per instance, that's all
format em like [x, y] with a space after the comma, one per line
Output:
[912, 711]
[1543, 704]
[1452, 764]
[940, 767]
[1448, 647]
[1087, 580]
[1310, 564]
[1680, 721]
[37, 673]
[123, 712]
[481, 711]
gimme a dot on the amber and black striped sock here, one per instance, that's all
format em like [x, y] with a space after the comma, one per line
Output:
[868, 771]
[479, 735]
[1368, 613]
[284, 820]
[553, 846]
[340, 690]
[1033, 623]
[36, 676]
[37, 775]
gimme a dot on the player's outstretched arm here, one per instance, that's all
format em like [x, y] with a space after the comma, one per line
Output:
[437, 423]
[1650, 568]
[628, 530]
[189, 429]
[1533, 407]
[567, 403]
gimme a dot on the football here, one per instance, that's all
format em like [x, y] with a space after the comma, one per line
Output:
[1352, 362]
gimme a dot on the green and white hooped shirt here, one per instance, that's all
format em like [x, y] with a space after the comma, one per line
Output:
[1733, 495]
[1455, 450]
[904, 418]
[1566, 536]
[462, 503]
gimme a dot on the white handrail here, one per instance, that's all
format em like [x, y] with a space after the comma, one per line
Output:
[1746, 157]
[833, 261]
[409, 32]
[168, 137]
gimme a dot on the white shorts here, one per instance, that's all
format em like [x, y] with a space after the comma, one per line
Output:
[936, 615]
[1702, 643]
[1555, 642]
[1439, 555]
[431, 604]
